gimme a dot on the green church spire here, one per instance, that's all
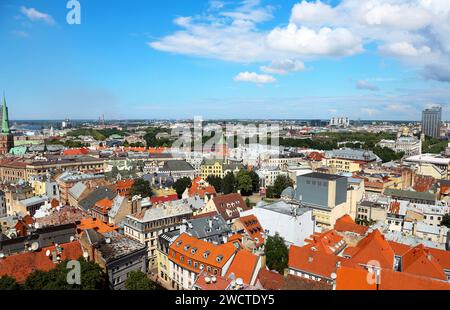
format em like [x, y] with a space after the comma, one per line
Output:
[5, 119]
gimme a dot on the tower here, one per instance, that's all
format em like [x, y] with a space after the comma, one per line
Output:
[6, 137]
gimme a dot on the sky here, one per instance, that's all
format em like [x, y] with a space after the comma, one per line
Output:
[252, 59]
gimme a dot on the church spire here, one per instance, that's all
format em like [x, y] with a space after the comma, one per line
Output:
[5, 119]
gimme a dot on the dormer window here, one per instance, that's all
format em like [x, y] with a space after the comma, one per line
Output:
[186, 247]
[179, 243]
[206, 254]
[193, 250]
[219, 258]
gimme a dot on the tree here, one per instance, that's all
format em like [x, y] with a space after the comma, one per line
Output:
[255, 181]
[141, 187]
[8, 283]
[229, 184]
[446, 220]
[281, 183]
[277, 253]
[216, 182]
[181, 184]
[92, 278]
[244, 184]
[138, 281]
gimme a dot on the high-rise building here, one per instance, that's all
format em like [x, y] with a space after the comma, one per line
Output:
[431, 122]
[6, 138]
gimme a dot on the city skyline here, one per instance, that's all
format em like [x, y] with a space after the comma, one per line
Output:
[225, 60]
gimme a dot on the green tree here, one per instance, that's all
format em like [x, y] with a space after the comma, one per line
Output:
[229, 184]
[277, 253]
[141, 187]
[8, 283]
[181, 184]
[216, 182]
[281, 183]
[244, 184]
[446, 220]
[138, 281]
[92, 278]
[255, 181]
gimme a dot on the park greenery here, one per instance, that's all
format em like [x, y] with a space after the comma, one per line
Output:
[181, 184]
[141, 188]
[138, 281]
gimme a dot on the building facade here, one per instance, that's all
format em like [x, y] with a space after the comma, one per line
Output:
[431, 122]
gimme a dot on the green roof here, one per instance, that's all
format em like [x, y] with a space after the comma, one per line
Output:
[18, 150]
[409, 194]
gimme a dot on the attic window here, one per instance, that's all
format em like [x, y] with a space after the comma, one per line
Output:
[219, 258]
[206, 254]
[193, 250]
[179, 243]
[186, 247]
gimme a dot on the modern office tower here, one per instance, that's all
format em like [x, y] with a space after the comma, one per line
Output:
[431, 122]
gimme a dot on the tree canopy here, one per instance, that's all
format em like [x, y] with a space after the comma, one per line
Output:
[216, 182]
[138, 281]
[281, 183]
[229, 183]
[8, 283]
[181, 184]
[141, 187]
[277, 253]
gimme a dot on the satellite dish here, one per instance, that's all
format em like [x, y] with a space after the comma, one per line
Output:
[85, 254]
[36, 225]
[34, 246]
[2, 255]
[72, 238]
[47, 253]
[239, 281]
[333, 276]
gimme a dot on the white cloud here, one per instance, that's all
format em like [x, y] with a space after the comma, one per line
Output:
[369, 111]
[416, 32]
[363, 84]
[313, 13]
[284, 66]
[308, 42]
[404, 49]
[253, 77]
[34, 15]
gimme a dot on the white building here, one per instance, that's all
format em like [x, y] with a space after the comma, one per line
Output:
[268, 175]
[290, 221]
[340, 121]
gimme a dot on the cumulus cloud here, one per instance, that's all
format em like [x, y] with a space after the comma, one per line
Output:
[34, 15]
[254, 77]
[284, 66]
[308, 42]
[404, 49]
[363, 84]
[412, 31]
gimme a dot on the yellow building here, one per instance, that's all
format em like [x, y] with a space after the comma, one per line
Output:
[342, 165]
[212, 167]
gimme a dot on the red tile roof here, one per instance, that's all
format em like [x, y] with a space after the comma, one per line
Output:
[356, 279]
[220, 284]
[104, 205]
[244, 266]
[374, 247]
[421, 262]
[347, 224]
[208, 254]
[80, 151]
[19, 266]
[200, 187]
[253, 228]
[230, 206]
[97, 225]
[270, 280]
[162, 199]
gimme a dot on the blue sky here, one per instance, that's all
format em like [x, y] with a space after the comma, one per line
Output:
[225, 59]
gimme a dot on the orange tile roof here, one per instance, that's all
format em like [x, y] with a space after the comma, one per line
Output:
[356, 279]
[200, 187]
[54, 203]
[347, 224]
[419, 261]
[330, 241]
[179, 249]
[244, 266]
[394, 207]
[374, 247]
[124, 184]
[19, 266]
[253, 228]
[442, 257]
[92, 223]
[80, 151]
[104, 205]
